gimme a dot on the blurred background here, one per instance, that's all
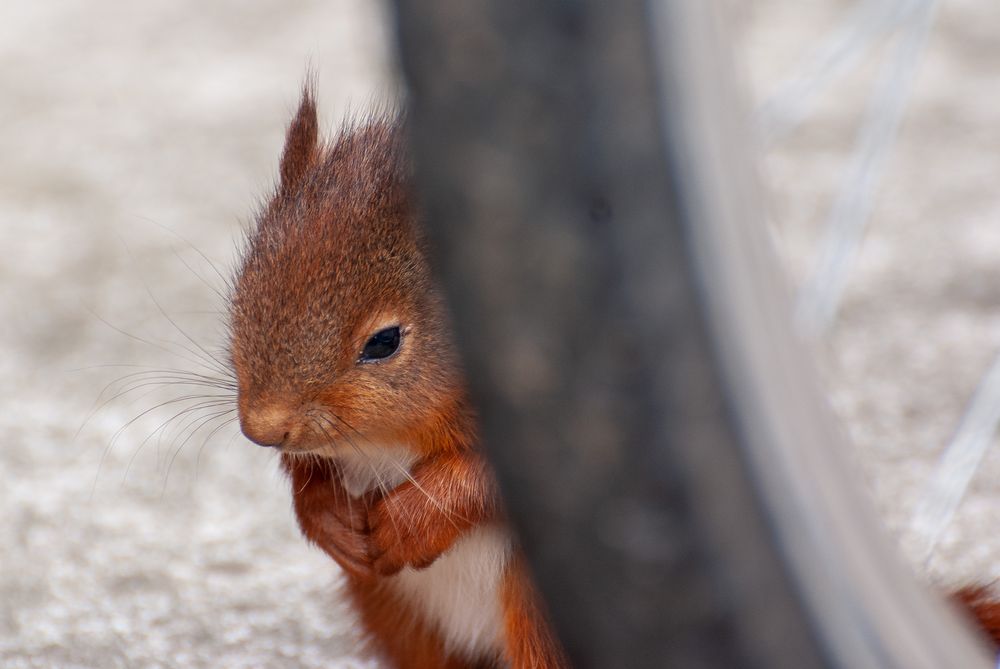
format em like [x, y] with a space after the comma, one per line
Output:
[138, 138]
[918, 323]
[137, 141]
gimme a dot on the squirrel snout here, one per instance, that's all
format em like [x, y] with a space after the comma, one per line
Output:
[268, 425]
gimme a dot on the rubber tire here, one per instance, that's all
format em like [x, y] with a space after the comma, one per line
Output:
[662, 447]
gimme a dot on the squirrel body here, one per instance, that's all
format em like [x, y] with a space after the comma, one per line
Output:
[382, 451]
[459, 593]
[345, 363]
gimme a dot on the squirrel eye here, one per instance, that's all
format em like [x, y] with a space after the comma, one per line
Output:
[382, 344]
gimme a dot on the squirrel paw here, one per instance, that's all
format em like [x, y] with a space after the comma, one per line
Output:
[336, 523]
[407, 528]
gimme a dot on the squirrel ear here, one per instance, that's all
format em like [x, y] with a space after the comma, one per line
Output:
[300, 141]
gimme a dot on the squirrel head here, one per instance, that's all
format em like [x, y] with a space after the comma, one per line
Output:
[339, 337]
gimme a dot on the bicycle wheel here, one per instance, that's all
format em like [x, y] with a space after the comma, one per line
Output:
[662, 447]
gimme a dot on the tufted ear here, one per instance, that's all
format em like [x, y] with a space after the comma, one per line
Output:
[300, 142]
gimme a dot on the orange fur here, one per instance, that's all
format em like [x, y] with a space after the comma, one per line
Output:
[983, 607]
[337, 254]
[530, 643]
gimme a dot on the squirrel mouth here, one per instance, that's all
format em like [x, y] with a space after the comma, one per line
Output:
[326, 448]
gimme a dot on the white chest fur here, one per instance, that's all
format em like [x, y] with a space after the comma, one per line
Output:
[373, 467]
[460, 593]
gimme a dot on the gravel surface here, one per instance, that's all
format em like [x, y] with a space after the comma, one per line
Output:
[920, 321]
[137, 138]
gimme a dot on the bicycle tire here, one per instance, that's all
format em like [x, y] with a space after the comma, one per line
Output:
[662, 449]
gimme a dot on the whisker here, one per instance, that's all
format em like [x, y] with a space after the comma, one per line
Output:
[227, 414]
[197, 411]
[406, 473]
[226, 281]
[154, 344]
[155, 407]
[201, 406]
[118, 433]
[208, 438]
[153, 377]
[184, 262]
[162, 382]
[306, 456]
[170, 465]
[131, 382]
[207, 392]
[376, 474]
[328, 463]
[209, 359]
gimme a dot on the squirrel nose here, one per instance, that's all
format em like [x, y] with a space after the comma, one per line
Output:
[269, 425]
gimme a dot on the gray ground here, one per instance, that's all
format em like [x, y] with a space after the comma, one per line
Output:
[921, 317]
[136, 137]
[132, 134]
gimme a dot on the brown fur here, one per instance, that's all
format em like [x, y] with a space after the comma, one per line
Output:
[336, 255]
[530, 643]
[983, 607]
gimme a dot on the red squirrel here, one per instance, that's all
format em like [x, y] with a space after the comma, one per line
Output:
[345, 364]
